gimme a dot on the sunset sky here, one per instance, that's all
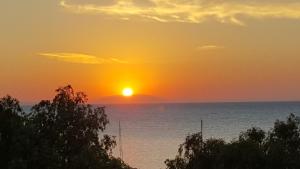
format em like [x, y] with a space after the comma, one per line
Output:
[177, 50]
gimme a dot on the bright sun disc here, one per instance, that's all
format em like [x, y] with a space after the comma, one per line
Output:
[127, 92]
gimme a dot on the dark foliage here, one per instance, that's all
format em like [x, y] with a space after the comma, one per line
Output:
[64, 133]
[254, 149]
[12, 130]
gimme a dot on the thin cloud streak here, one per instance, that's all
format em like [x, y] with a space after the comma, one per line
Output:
[209, 47]
[80, 58]
[195, 11]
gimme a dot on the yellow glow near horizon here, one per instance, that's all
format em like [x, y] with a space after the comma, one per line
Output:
[127, 92]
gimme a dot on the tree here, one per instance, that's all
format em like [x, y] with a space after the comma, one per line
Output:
[67, 130]
[12, 129]
[283, 146]
[64, 133]
[278, 149]
[195, 153]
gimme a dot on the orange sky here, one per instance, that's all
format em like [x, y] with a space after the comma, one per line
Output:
[227, 51]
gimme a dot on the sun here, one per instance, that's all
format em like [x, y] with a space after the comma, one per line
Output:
[127, 92]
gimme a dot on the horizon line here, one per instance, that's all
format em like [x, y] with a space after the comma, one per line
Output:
[186, 102]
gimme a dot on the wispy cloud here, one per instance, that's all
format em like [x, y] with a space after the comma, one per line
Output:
[209, 47]
[192, 11]
[80, 58]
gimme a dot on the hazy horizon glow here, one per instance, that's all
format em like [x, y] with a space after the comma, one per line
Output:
[177, 50]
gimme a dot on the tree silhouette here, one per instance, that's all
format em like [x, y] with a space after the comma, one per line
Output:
[12, 130]
[283, 146]
[64, 133]
[278, 149]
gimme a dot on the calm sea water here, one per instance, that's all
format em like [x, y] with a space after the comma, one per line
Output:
[151, 133]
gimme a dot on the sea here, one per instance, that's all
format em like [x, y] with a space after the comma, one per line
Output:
[152, 133]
